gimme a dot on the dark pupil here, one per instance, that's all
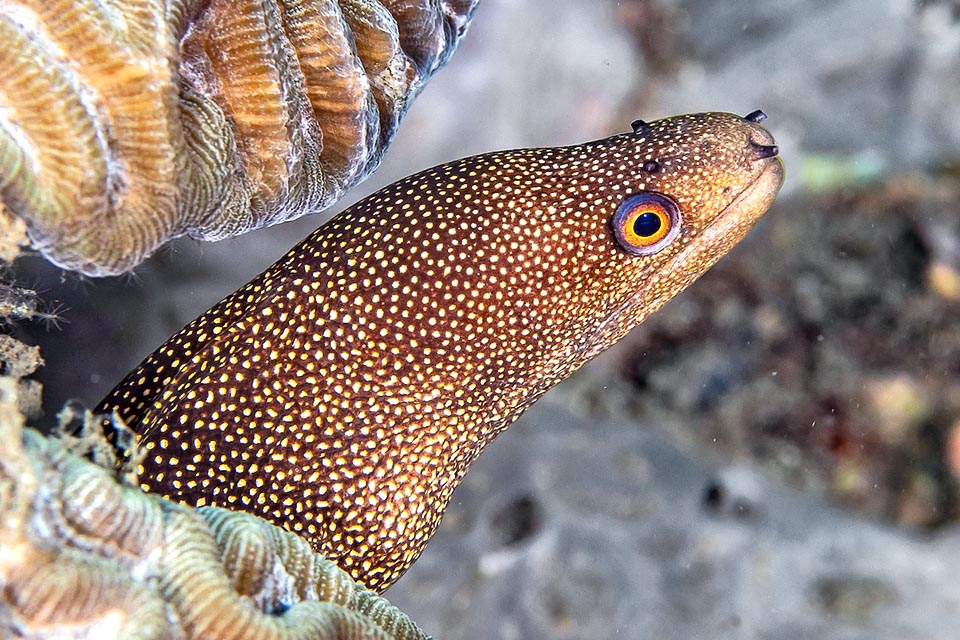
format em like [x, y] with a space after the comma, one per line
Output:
[647, 224]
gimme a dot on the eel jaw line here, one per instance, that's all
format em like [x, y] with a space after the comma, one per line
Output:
[730, 225]
[738, 217]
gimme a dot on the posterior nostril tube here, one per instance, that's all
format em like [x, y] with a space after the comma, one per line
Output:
[762, 151]
[755, 116]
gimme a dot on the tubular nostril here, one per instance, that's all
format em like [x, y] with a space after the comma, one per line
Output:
[755, 116]
[761, 151]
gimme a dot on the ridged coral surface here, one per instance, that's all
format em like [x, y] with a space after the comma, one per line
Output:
[83, 556]
[126, 123]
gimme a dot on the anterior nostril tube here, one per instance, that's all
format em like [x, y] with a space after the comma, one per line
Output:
[762, 151]
[755, 116]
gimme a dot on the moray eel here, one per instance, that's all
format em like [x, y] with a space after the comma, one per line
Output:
[344, 392]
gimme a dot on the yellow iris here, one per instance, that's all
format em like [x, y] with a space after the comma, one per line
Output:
[645, 223]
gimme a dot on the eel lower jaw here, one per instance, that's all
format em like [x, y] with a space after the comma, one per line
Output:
[732, 223]
[760, 194]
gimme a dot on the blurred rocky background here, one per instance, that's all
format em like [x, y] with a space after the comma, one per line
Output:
[774, 455]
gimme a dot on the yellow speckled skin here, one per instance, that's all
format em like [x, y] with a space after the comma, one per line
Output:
[343, 393]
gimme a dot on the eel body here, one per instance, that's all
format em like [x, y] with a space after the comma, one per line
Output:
[344, 392]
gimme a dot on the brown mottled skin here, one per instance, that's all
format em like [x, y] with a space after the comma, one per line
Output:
[344, 392]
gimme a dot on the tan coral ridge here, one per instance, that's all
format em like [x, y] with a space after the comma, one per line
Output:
[125, 123]
[85, 556]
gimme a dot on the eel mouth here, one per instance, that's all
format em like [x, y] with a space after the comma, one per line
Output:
[729, 227]
[737, 218]
[757, 197]
[733, 222]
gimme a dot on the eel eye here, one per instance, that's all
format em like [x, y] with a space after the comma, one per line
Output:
[646, 223]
